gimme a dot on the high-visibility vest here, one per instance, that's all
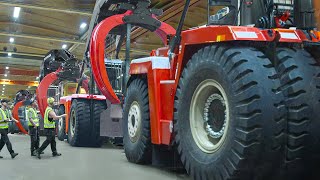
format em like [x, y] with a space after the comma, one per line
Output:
[8, 113]
[3, 125]
[48, 124]
[31, 113]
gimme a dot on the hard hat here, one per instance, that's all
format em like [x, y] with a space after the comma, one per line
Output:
[50, 100]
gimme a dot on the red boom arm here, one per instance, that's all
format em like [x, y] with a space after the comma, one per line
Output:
[42, 90]
[15, 115]
[97, 51]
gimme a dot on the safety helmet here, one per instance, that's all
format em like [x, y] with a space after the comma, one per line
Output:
[50, 100]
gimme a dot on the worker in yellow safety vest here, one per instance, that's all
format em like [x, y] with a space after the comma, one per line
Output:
[33, 123]
[5, 117]
[49, 129]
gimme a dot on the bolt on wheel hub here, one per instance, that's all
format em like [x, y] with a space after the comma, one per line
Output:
[209, 116]
[60, 124]
[215, 116]
[134, 121]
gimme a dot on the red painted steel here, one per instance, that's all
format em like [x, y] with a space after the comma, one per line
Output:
[97, 51]
[42, 90]
[15, 115]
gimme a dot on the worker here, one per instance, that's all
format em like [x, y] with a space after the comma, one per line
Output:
[49, 129]
[33, 123]
[5, 117]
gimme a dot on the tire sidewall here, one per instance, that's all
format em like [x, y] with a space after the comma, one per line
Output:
[140, 150]
[196, 75]
[72, 139]
[61, 133]
[135, 95]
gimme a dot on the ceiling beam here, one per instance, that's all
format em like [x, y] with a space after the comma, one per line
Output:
[27, 27]
[23, 83]
[45, 38]
[52, 9]
[82, 38]
[25, 47]
[18, 72]
[20, 61]
[23, 54]
[146, 44]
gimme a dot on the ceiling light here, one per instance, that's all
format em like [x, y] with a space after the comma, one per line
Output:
[64, 46]
[16, 12]
[5, 75]
[11, 40]
[9, 54]
[7, 67]
[83, 25]
[4, 85]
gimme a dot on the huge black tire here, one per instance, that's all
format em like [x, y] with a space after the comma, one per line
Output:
[81, 133]
[79, 123]
[61, 126]
[99, 106]
[229, 117]
[299, 75]
[136, 123]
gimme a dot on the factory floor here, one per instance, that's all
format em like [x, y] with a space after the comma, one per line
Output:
[76, 163]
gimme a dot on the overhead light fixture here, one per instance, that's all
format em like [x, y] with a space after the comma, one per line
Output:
[7, 67]
[5, 75]
[64, 46]
[16, 12]
[9, 54]
[4, 85]
[11, 40]
[83, 25]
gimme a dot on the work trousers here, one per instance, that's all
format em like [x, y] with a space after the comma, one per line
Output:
[51, 139]
[34, 137]
[5, 140]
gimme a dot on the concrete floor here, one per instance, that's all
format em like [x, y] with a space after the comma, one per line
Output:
[76, 164]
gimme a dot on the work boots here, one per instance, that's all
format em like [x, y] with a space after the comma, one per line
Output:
[56, 154]
[37, 153]
[13, 155]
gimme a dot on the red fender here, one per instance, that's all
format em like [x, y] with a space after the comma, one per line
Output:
[15, 115]
[42, 90]
[97, 51]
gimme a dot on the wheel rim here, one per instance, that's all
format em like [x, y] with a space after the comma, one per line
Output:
[134, 121]
[209, 116]
[60, 124]
[73, 122]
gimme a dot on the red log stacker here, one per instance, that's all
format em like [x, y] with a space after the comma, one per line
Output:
[236, 99]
